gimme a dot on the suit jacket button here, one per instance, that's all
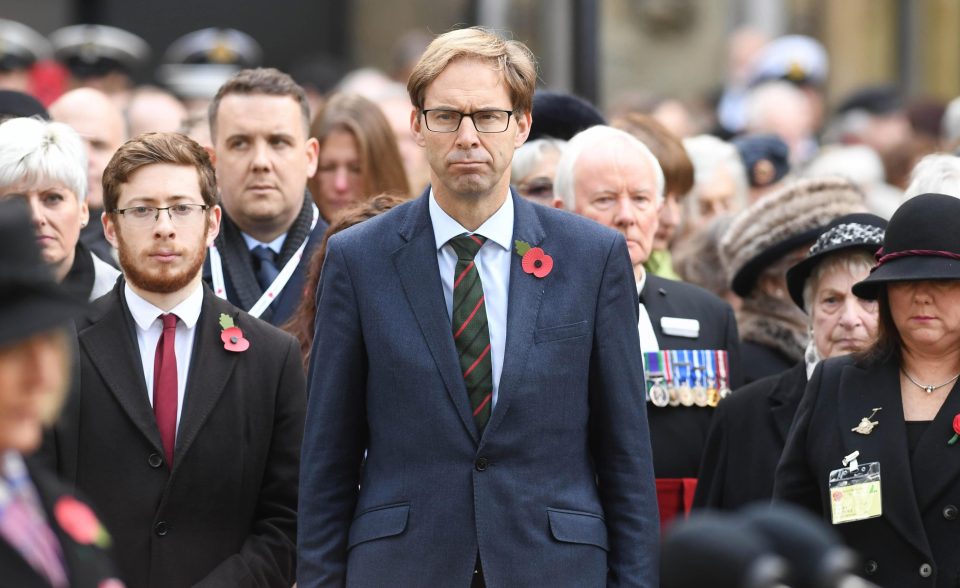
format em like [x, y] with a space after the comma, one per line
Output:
[155, 460]
[870, 567]
[481, 464]
[926, 570]
[950, 512]
[161, 528]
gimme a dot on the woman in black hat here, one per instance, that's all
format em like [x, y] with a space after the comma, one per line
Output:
[760, 245]
[44, 163]
[47, 537]
[873, 447]
[749, 428]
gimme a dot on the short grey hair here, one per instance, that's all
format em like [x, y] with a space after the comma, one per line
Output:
[852, 261]
[938, 173]
[709, 155]
[588, 139]
[530, 154]
[34, 150]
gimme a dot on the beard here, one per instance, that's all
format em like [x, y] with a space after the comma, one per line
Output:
[165, 280]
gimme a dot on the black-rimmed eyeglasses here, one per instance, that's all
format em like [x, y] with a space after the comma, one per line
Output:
[146, 216]
[485, 121]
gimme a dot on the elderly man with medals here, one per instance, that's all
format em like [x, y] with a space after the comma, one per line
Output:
[688, 336]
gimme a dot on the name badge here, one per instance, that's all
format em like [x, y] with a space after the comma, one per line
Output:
[680, 327]
[855, 492]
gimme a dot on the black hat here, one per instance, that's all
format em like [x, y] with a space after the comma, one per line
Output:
[766, 158]
[852, 231]
[876, 100]
[92, 51]
[15, 104]
[31, 301]
[919, 245]
[20, 46]
[561, 116]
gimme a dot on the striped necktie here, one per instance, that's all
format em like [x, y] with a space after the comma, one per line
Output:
[470, 332]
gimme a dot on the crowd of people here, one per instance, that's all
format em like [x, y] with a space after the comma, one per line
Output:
[456, 330]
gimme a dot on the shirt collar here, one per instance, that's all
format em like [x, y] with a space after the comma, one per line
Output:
[642, 282]
[144, 313]
[498, 228]
[276, 245]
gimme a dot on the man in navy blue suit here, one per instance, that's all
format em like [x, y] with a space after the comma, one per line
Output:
[476, 413]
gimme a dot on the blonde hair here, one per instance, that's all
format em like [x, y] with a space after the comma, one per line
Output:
[512, 58]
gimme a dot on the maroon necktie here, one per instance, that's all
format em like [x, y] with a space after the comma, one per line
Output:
[165, 386]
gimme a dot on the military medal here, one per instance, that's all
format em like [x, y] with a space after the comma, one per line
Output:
[700, 397]
[722, 370]
[673, 382]
[866, 426]
[653, 366]
[713, 395]
[685, 392]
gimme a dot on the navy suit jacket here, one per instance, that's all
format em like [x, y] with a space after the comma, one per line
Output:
[558, 489]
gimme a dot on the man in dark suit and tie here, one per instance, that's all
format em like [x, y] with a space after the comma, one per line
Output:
[475, 413]
[260, 126]
[187, 426]
[611, 177]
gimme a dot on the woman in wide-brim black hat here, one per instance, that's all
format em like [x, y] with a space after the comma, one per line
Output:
[749, 428]
[47, 536]
[873, 447]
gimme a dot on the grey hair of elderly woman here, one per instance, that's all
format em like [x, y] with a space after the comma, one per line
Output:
[530, 154]
[33, 150]
[711, 156]
[853, 261]
[938, 173]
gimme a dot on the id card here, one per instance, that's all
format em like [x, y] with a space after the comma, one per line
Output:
[855, 493]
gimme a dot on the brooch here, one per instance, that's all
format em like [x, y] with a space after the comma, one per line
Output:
[866, 426]
[534, 260]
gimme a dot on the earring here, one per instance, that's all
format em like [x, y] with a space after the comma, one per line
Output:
[778, 293]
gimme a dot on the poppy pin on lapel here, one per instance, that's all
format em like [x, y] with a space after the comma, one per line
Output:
[231, 335]
[534, 259]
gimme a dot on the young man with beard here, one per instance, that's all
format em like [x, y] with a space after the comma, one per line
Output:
[187, 427]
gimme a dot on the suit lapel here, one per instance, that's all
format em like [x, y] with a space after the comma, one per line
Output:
[416, 264]
[210, 369]
[523, 306]
[861, 392]
[932, 465]
[108, 344]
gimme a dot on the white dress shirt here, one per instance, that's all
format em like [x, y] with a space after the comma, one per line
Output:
[493, 264]
[648, 337]
[149, 327]
[276, 245]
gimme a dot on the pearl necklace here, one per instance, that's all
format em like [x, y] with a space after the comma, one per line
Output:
[928, 388]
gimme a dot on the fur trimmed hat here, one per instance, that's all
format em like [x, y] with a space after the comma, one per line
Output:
[782, 221]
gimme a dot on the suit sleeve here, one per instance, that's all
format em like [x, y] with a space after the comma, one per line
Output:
[268, 555]
[336, 432]
[794, 481]
[620, 436]
[713, 465]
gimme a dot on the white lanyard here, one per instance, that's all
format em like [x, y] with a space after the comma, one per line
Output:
[219, 288]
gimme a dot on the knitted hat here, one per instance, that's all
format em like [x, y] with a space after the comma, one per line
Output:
[782, 221]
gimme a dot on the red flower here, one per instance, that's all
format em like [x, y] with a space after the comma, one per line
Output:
[956, 430]
[232, 336]
[78, 521]
[537, 262]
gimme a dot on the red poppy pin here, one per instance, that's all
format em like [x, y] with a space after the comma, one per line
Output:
[232, 336]
[78, 521]
[534, 260]
[956, 430]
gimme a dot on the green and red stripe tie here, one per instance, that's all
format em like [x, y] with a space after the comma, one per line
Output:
[470, 332]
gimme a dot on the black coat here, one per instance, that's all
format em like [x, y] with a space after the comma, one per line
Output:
[87, 565]
[914, 542]
[678, 433]
[761, 361]
[226, 514]
[746, 439]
